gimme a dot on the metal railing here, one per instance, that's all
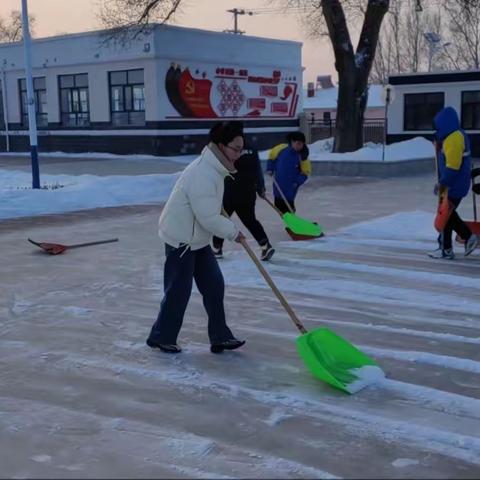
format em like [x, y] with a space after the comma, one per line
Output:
[373, 129]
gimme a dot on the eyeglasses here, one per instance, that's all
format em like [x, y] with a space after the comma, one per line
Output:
[238, 151]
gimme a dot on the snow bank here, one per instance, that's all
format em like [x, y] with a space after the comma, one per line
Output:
[412, 149]
[67, 193]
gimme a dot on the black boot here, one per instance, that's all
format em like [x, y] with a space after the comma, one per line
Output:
[231, 344]
[166, 348]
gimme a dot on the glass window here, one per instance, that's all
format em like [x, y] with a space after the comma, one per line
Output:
[117, 98]
[40, 95]
[135, 76]
[138, 97]
[118, 78]
[127, 97]
[66, 81]
[420, 110]
[471, 110]
[81, 80]
[74, 101]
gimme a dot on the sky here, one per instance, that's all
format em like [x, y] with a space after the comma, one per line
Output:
[54, 17]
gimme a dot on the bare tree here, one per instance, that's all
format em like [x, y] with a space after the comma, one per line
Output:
[128, 20]
[11, 29]
[352, 64]
[402, 46]
[463, 23]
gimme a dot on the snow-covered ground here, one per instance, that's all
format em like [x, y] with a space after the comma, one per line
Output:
[66, 193]
[82, 396]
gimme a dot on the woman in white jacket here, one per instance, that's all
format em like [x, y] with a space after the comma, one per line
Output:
[191, 216]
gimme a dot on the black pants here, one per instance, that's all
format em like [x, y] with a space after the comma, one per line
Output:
[455, 223]
[181, 268]
[246, 214]
[282, 206]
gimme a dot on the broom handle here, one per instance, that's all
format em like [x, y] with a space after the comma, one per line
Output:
[273, 206]
[92, 243]
[474, 198]
[272, 285]
[281, 193]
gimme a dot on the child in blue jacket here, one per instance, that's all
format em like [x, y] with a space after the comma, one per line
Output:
[454, 165]
[287, 171]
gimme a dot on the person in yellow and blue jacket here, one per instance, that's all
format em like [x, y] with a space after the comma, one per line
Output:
[454, 165]
[290, 166]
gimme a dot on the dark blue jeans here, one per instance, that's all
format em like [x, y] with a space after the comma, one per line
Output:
[182, 266]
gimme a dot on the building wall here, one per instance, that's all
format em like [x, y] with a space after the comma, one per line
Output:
[166, 131]
[451, 84]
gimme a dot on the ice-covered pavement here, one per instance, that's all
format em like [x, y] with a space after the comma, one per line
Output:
[83, 397]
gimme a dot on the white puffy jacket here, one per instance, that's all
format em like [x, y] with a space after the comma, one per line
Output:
[192, 213]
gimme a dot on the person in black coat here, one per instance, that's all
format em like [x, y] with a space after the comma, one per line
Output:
[240, 195]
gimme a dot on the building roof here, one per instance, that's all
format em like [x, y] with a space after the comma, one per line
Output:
[327, 98]
[444, 76]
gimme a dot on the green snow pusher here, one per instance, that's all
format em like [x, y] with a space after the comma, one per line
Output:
[297, 227]
[328, 356]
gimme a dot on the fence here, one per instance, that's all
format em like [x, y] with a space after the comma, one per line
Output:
[373, 129]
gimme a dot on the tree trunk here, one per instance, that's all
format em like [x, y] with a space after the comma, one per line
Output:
[353, 68]
[350, 111]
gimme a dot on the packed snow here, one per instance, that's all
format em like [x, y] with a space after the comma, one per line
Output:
[82, 396]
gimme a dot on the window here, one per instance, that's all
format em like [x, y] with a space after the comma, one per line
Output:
[40, 95]
[471, 110]
[127, 97]
[74, 105]
[420, 110]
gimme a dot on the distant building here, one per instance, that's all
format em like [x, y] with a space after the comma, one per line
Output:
[320, 100]
[159, 96]
[418, 97]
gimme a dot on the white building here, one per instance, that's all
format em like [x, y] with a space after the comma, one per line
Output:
[160, 95]
[419, 97]
[320, 101]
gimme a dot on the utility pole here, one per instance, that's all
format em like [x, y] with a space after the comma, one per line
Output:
[32, 120]
[236, 12]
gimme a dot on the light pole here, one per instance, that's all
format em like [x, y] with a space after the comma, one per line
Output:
[32, 120]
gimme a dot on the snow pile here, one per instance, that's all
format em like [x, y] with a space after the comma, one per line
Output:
[321, 147]
[412, 149]
[366, 376]
[81, 192]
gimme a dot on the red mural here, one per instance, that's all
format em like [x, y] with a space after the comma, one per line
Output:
[233, 92]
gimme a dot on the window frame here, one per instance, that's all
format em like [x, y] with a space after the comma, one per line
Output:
[126, 98]
[80, 116]
[408, 128]
[41, 116]
[476, 111]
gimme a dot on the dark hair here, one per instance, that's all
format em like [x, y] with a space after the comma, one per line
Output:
[295, 137]
[225, 132]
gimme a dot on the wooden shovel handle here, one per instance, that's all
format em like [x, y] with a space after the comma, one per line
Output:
[272, 205]
[283, 196]
[88, 244]
[272, 285]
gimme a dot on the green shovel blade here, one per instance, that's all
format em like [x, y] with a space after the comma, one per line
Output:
[301, 226]
[337, 362]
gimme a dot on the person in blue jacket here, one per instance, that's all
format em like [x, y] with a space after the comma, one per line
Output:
[454, 165]
[287, 172]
